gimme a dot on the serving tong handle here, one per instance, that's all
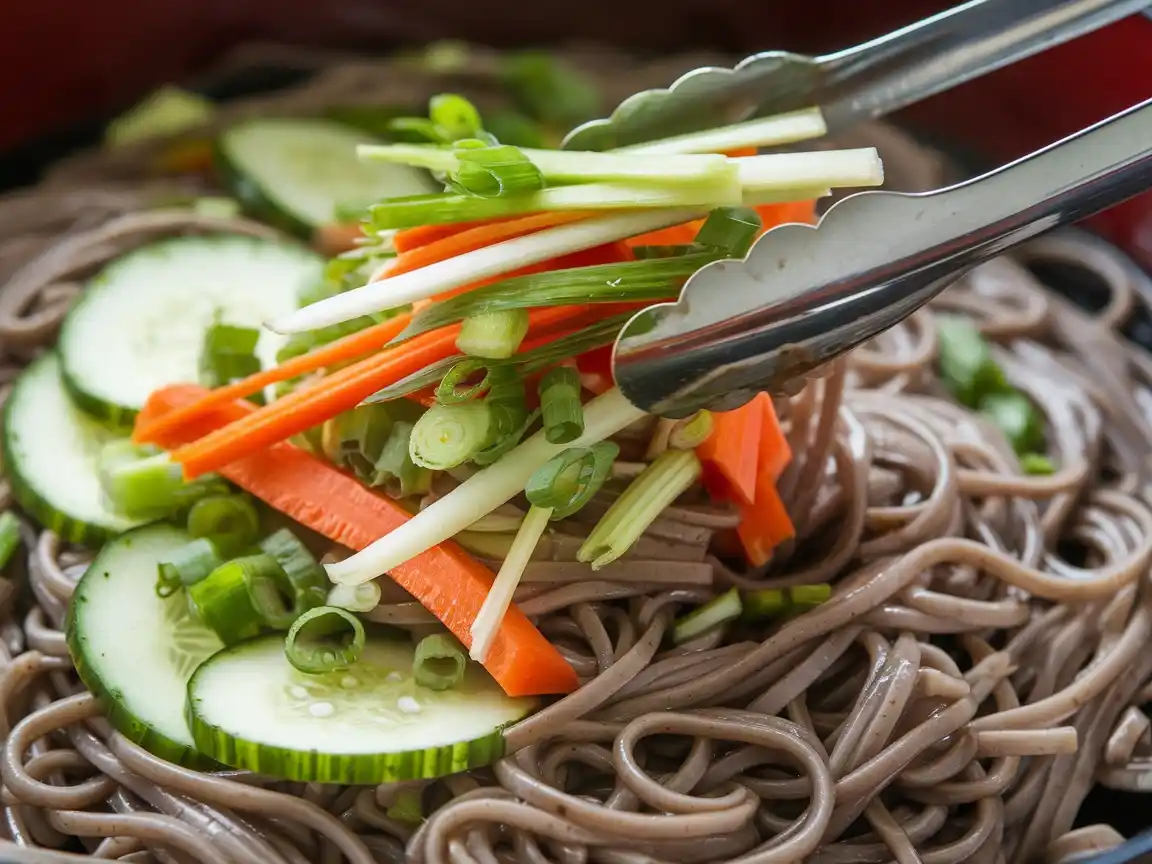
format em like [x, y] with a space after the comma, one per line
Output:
[860, 83]
[804, 296]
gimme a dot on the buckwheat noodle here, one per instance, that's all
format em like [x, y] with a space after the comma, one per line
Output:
[980, 667]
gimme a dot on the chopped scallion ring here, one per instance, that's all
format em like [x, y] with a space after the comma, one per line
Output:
[439, 662]
[324, 639]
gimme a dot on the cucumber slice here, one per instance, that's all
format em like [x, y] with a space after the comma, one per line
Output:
[140, 324]
[50, 450]
[135, 650]
[370, 723]
[297, 173]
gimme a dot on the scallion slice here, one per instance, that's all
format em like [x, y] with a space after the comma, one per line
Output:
[1037, 464]
[394, 470]
[495, 172]
[355, 598]
[966, 364]
[186, 566]
[228, 353]
[567, 481]
[450, 435]
[143, 482]
[732, 229]
[459, 383]
[9, 537]
[223, 599]
[439, 662]
[560, 405]
[508, 408]
[661, 483]
[455, 116]
[715, 613]
[691, 432]
[306, 577]
[229, 521]
[768, 603]
[496, 335]
[271, 592]
[324, 639]
[1017, 418]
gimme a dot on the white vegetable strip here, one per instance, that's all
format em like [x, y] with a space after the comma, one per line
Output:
[480, 264]
[355, 598]
[495, 605]
[831, 168]
[482, 493]
[789, 128]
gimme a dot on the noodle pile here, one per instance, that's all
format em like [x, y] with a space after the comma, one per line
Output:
[980, 668]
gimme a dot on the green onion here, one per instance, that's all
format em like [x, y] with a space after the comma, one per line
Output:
[550, 89]
[774, 602]
[228, 353]
[394, 470]
[772, 131]
[408, 807]
[508, 408]
[450, 435]
[966, 364]
[429, 376]
[229, 521]
[1037, 464]
[732, 229]
[324, 639]
[656, 253]
[355, 598]
[492, 172]
[455, 115]
[495, 335]
[186, 566]
[271, 593]
[691, 432]
[9, 537]
[716, 612]
[601, 283]
[661, 483]
[356, 435]
[560, 405]
[439, 662]
[142, 482]
[223, 601]
[306, 577]
[450, 390]
[1017, 418]
[566, 482]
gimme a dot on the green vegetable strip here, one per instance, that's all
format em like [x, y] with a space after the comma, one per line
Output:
[487, 622]
[966, 364]
[142, 482]
[186, 566]
[394, 470]
[661, 483]
[460, 384]
[408, 807]
[508, 408]
[229, 353]
[715, 613]
[495, 172]
[430, 376]
[496, 335]
[271, 593]
[9, 537]
[439, 662]
[324, 639]
[732, 229]
[229, 521]
[223, 602]
[437, 209]
[450, 435]
[691, 432]
[306, 578]
[455, 116]
[1037, 464]
[768, 603]
[560, 405]
[601, 283]
[1017, 417]
[569, 480]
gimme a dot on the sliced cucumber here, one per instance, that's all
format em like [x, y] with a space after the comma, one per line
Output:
[249, 708]
[298, 173]
[140, 324]
[135, 650]
[50, 450]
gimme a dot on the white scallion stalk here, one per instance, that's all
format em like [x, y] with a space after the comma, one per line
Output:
[754, 199]
[482, 493]
[495, 605]
[787, 128]
[355, 598]
[479, 264]
[831, 168]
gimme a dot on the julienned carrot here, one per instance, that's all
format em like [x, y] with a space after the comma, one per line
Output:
[446, 580]
[344, 349]
[765, 523]
[731, 454]
[342, 391]
[476, 238]
[771, 215]
[775, 451]
[412, 238]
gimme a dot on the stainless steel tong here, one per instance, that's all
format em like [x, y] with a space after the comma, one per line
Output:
[804, 295]
[859, 83]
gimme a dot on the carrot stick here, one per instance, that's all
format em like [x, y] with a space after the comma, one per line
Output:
[731, 454]
[341, 391]
[775, 451]
[412, 238]
[765, 523]
[446, 580]
[342, 350]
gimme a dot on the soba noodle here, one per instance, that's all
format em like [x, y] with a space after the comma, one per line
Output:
[980, 667]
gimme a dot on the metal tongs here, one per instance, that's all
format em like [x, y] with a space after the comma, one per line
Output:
[805, 296]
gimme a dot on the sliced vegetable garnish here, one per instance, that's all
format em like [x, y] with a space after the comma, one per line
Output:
[1037, 464]
[730, 455]
[492, 171]
[230, 522]
[455, 116]
[450, 435]
[802, 125]
[560, 405]
[309, 584]
[715, 613]
[242, 598]
[186, 565]
[439, 662]
[1017, 418]
[324, 639]
[366, 724]
[229, 353]
[167, 111]
[661, 483]
[144, 483]
[445, 579]
[767, 603]
[966, 363]
[355, 598]
[568, 481]
[9, 537]
[493, 334]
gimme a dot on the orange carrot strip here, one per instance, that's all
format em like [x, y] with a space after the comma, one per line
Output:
[775, 451]
[731, 454]
[765, 524]
[334, 394]
[337, 237]
[446, 580]
[771, 215]
[412, 238]
[596, 370]
[343, 349]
